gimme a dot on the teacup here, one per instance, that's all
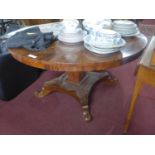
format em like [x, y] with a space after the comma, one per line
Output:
[90, 25]
[70, 25]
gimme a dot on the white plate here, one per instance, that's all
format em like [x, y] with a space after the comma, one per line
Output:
[126, 29]
[99, 51]
[127, 32]
[131, 35]
[124, 23]
[72, 37]
[105, 50]
[70, 40]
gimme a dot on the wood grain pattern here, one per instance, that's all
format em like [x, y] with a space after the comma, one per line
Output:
[75, 77]
[75, 58]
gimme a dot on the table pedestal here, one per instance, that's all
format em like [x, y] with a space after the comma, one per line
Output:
[78, 85]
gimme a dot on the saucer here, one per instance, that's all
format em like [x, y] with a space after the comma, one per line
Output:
[131, 35]
[124, 23]
[72, 37]
[101, 51]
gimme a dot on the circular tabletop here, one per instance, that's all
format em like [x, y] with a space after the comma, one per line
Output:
[64, 57]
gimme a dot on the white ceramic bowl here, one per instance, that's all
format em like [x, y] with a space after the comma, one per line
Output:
[105, 36]
[104, 42]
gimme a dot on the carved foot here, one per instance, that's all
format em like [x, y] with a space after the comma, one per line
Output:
[42, 93]
[83, 99]
[48, 88]
[110, 79]
[86, 114]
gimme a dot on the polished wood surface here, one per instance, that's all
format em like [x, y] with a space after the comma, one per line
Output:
[79, 65]
[73, 58]
[145, 74]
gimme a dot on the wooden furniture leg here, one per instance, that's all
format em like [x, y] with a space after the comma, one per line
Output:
[145, 75]
[136, 92]
[76, 84]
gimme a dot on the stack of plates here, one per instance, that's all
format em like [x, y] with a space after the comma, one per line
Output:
[125, 27]
[104, 42]
[73, 37]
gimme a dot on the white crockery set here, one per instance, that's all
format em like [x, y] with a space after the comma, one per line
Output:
[99, 36]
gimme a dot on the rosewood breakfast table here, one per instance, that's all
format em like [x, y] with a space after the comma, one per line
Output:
[82, 69]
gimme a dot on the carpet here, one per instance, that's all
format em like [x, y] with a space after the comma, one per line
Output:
[59, 114]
